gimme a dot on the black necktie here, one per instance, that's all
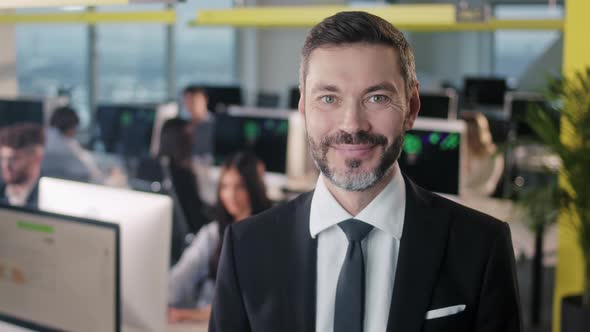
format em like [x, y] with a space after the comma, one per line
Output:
[349, 311]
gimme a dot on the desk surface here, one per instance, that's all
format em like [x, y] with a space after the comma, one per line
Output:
[193, 327]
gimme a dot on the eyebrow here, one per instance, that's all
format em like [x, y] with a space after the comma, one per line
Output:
[382, 86]
[325, 88]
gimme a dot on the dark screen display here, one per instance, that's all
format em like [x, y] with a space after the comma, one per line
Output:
[17, 111]
[434, 106]
[484, 91]
[126, 130]
[220, 97]
[265, 137]
[431, 159]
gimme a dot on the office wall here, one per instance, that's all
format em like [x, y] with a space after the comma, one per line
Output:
[548, 64]
[269, 58]
[8, 81]
[449, 56]
[272, 64]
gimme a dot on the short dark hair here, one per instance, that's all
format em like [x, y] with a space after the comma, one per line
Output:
[359, 27]
[64, 119]
[194, 89]
[22, 135]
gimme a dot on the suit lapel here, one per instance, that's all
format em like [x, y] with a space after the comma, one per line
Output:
[422, 248]
[300, 291]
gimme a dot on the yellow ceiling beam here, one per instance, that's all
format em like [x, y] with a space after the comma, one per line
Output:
[427, 18]
[307, 16]
[155, 16]
[11, 4]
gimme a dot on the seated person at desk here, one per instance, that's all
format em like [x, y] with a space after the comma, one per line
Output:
[64, 157]
[189, 212]
[21, 154]
[241, 193]
[483, 165]
[202, 122]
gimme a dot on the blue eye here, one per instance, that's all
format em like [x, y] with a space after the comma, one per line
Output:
[328, 99]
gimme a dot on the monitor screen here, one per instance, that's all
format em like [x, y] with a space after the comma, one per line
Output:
[265, 136]
[145, 221]
[219, 97]
[431, 158]
[126, 130]
[15, 111]
[481, 91]
[294, 98]
[58, 273]
[434, 105]
[520, 105]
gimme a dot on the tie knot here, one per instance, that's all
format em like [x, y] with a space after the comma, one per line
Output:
[355, 230]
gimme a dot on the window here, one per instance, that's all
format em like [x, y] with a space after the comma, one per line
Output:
[52, 58]
[204, 54]
[131, 59]
[514, 51]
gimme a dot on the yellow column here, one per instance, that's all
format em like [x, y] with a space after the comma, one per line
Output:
[576, 56]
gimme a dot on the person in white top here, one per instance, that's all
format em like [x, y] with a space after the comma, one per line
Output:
[21, 154]
[241, 193]
[368, 250]
[483, 163]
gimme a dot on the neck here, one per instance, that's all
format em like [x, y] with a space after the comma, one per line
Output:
[22, 187]
[355, 201]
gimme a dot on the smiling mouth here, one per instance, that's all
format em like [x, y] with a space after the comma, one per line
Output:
[353, 147]
[356, 151]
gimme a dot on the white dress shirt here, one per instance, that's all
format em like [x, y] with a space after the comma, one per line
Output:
[380, 248]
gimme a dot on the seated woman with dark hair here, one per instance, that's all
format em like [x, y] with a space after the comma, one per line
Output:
[174, 163]
[241, 193]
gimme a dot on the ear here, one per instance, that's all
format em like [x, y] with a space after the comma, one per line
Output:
[301, 104]
[413, 108]
[260, 169]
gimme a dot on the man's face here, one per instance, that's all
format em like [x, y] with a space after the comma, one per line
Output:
[18, 165]
[356, 112]
[196, 104]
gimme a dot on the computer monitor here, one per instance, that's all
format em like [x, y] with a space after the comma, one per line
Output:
[518, 104]
[146, 221]
[220, 97]
[126, 130]
[21, 110]
[294, 96]
[484, 91]
[58, 273]
[263, 131]
[431, 154]
[438, 104]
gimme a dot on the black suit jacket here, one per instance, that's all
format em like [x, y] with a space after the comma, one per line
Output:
[32, 200]
[449, 255]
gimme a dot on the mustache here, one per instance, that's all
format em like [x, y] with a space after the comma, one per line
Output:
[359, 137]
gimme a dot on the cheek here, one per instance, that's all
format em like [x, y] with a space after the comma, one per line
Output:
[243, 199]
[320, 124]
[224, 196]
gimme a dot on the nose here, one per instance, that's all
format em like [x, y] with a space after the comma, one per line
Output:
[354, 118]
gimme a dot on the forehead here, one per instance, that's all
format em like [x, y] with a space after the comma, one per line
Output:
[353, 63]
[7, 151]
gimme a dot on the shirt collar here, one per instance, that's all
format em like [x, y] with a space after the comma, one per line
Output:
[385, 212]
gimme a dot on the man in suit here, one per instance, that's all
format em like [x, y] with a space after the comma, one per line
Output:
[368, 250]
[21, 155]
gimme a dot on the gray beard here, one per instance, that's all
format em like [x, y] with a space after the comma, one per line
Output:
[353, 178]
